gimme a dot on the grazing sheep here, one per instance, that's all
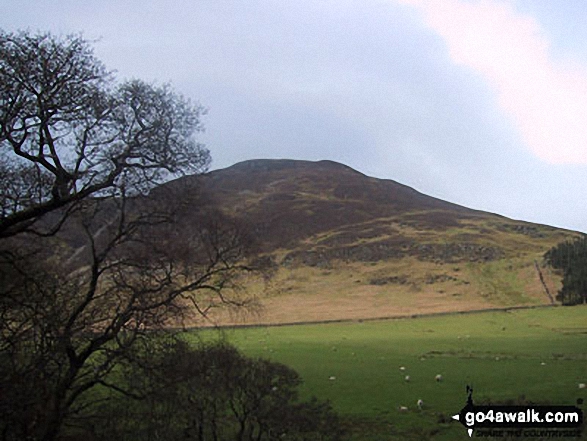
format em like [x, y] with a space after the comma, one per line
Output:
[420, 404]
[582, 386]
[332, 378]
[403, 409]
[438, 378]
[407, 378]
[402, 368]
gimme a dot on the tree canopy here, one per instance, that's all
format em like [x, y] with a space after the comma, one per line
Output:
[570, 257]
[68, 130]
[213, 392]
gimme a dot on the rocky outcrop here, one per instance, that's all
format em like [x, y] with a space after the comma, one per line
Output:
[390, 280]
[321, 257]
[393, 249]
[526, 230]
[457, 252]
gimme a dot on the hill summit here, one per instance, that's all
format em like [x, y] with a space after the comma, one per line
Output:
[349, 246]
[290, 200]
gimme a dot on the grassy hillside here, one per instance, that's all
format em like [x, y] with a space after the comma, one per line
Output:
[538, 355]
[343, 245]
[487, 262]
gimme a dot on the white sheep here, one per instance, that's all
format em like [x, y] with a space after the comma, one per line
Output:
[332, 378]
[420, 404]
[407, 378]
[438, 378]
[402, 368]
[582, 386]
[403, 409]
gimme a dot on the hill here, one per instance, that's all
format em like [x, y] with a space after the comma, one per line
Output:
[348, 246]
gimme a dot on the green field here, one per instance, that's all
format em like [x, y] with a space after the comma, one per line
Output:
[538, 355]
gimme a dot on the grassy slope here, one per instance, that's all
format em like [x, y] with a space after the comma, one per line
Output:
[412, 284]
[500, 354]
[347, 246]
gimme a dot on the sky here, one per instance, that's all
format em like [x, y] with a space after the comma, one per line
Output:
[478, 102]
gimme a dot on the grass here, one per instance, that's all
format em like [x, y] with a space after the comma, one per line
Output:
[539, 354]
[340, 289]
[346, 290]
[502, 282]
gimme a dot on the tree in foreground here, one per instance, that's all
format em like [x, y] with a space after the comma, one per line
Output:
[214, 393]
[68, 131]
[90, 263]
[570, 257]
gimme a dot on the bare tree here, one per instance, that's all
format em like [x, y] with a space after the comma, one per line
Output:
[68, 131]
[89, 262]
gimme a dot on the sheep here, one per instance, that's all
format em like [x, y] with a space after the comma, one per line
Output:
[420, 404]
[407, 378]
[402, 368]
[582, 385]
[332, 378]
[403, 409]
[438, 378]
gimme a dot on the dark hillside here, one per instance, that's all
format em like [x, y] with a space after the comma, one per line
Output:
[289, 201]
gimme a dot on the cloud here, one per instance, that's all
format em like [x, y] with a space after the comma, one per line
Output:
[545, 97]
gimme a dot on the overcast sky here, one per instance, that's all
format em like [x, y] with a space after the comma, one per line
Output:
[481, 103]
